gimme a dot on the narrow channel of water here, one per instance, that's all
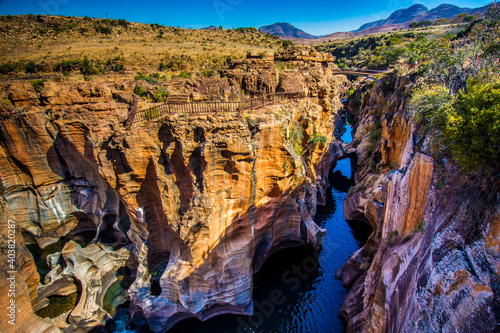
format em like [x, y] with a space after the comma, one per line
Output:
[296, 290]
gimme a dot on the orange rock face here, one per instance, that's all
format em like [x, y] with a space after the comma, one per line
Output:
[175, 215]
[432, 260]
[407, 196]
[236, 189]
[493, 236]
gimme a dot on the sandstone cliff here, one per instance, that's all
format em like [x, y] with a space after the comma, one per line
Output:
[172, 216]
[432, 263]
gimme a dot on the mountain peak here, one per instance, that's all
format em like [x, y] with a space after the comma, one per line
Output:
[403, 15]
[285, 30]
[418, 6]
[445, 6]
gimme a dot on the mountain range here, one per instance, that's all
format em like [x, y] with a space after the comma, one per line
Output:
[399, 19]
[417, 13]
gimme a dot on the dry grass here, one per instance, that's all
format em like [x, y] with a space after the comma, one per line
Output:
[52, 39]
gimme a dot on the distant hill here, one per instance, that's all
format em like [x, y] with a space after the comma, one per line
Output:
[399, 16]
[450, 11]
[285, 31]
[403, 17]
[417, 13]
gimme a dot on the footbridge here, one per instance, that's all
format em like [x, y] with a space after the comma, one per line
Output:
[136, 116]
[372, 74]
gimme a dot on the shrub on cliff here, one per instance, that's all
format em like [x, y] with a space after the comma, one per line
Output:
[86, 67]
[140, 91]
[469, 121]
[160, 95]
[37, 85]
[184, 75]
[286, 44]
[431, 105]
[294, 134]
[152, 78]
[317, 138]
[473, 126]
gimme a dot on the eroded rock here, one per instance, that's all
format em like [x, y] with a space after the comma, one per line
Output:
[427, 266]
[175, 215]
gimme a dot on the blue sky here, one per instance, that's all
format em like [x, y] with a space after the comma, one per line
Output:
[317, 17]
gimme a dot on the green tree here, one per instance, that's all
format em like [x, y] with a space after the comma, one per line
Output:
[86, 66]
[286, 44]
[30, 67]
[37, 85]
[487, 34]
[160, 95]
[442, 21]
[7, 68]
[102, 29]
[450, 65]
[425, 23]
[123, 23]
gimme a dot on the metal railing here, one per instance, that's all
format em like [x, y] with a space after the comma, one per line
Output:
[365, 72]
[209, 107]
[362, 70]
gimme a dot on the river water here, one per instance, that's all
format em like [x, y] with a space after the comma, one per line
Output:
[296, 291]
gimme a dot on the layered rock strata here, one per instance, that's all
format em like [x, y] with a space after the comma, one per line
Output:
[173, 215]
[432, 263]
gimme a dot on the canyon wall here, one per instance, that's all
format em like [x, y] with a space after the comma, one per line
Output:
[432, 263]
[169, 218]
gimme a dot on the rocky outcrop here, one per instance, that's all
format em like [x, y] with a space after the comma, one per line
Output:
[305, 54]
[432, 263]
[174, 215]
[23, 94]
[79, 93]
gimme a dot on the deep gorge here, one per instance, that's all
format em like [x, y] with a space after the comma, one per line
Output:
[169, 220]
[296, 289]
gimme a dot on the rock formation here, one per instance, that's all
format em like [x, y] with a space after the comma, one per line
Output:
[174, 215]
[432, 262]
[171, 218]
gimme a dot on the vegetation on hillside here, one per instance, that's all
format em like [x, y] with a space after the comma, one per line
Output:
[381, 51]
[456, 99]
[375, 52]
[459, 95]
[461, 18]
[46, 44]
